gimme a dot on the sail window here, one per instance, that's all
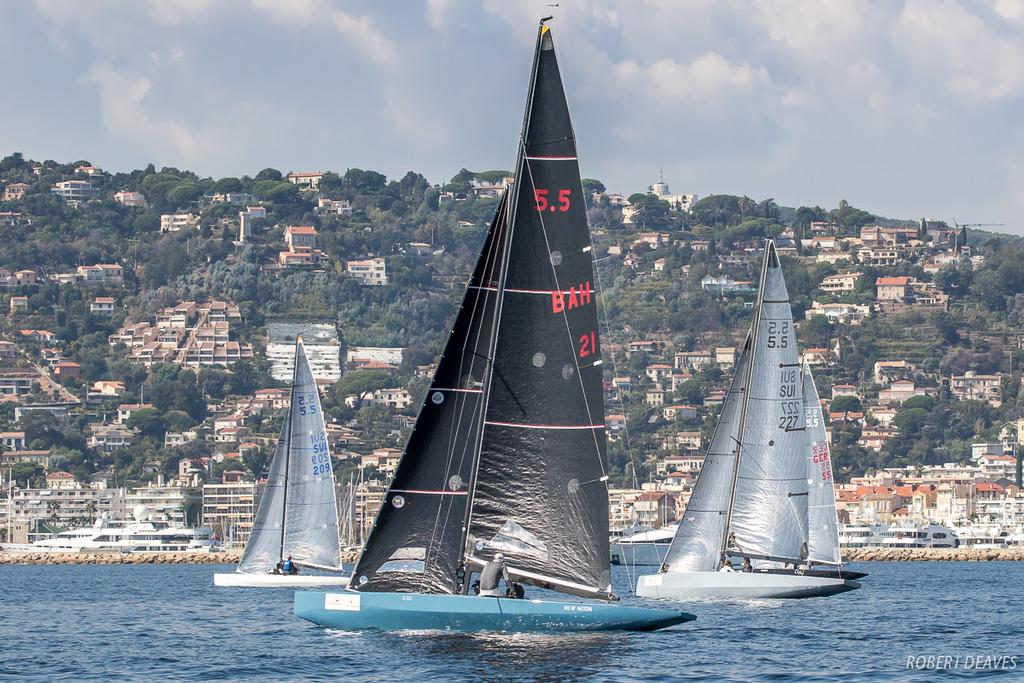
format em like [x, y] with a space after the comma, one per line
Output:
[402, 566]
[455, 482]
[573, 486]
[398, 501]
[568, 371]
[513, 538]
[405, 560]
[539, 359]
[437, 397]
[556, 257]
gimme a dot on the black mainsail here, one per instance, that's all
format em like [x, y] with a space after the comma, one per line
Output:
[508, 453]
[541, 495]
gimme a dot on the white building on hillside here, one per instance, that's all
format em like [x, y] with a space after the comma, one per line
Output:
[323, 350]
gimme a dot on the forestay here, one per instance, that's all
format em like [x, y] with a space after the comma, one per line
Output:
[699, 539]
[822, 524]
[769, 513]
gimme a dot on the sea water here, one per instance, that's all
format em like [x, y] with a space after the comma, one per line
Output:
[168, 622]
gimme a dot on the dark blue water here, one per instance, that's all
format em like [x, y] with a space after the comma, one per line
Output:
[168, 622]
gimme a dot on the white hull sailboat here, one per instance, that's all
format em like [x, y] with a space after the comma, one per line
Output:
[238, 580]
[298, 512]
[765, 492]
[687, 585]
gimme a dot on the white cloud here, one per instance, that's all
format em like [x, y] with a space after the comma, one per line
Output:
[1009, 9]
[813, 30]
[359, 29]
[177, 12]
[125, 117]
[711, 76]
[437, 10]
[974, 61]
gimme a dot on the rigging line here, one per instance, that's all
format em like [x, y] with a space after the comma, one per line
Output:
[565, 319]
[615, 373]
[737, 378]
[487, 264]
[511, 209]
[487, 271]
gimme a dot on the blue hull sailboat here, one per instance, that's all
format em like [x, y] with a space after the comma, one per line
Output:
[351, 610]
[508, 456]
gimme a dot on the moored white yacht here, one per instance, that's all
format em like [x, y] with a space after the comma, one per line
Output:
[913, 536]
[861, 535]
[144, 534]
[644, 548]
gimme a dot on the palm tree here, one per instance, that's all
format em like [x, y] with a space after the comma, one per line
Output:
[53, 508]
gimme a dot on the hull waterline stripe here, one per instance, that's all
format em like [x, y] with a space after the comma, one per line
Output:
[531, 158]
[536, 426]
[461, 391]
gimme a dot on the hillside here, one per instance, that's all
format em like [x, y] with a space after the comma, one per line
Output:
[106, 251]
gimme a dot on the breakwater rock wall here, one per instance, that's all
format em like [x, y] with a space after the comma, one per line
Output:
[932, 554]
[224, 557]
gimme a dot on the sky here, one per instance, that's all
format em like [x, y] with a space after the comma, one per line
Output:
[906, 109]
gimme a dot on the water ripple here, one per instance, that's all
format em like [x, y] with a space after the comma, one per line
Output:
[156, 622]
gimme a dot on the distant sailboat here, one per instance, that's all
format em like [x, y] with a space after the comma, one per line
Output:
[298, 512]
[752, 497]
[508, 453]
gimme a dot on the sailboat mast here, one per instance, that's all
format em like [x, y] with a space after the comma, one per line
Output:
[756, 323]
[288, 445]
[510, 216]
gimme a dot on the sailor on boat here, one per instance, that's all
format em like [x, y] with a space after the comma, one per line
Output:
[491, 575]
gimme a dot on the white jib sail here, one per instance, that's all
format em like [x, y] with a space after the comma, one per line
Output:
[822, 524]
[698, 542]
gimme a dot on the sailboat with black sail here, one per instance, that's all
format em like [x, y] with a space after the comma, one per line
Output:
[752, 497]
[298, 512]
[508, 451]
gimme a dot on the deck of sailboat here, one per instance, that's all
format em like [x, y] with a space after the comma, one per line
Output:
[350, 610]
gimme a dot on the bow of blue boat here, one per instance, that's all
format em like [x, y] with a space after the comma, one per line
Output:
[351, 610]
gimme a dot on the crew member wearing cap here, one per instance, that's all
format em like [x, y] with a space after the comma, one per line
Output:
[491, 576]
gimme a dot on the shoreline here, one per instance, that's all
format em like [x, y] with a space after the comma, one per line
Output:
[232, 556]
[933, 554]
[221, 557]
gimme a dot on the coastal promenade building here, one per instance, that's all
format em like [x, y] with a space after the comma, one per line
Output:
[174, 502]
[67, 503]
[229, 508]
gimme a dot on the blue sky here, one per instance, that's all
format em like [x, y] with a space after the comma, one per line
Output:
[906, 109]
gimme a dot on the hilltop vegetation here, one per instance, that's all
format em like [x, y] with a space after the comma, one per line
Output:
[648, 292]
